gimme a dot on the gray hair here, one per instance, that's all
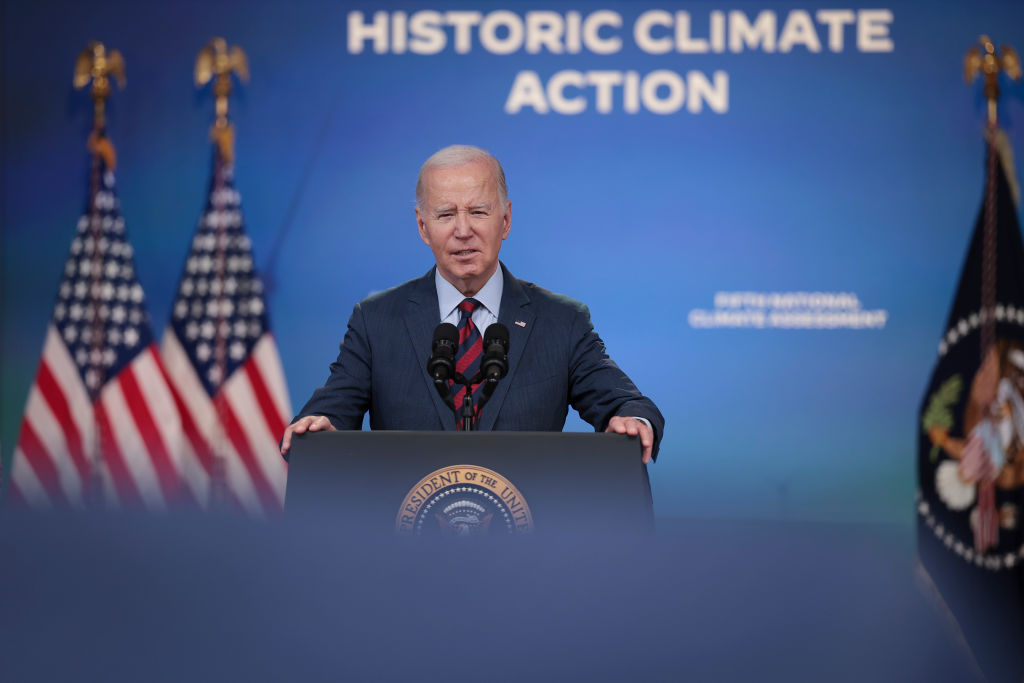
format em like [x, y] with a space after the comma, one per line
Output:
[460, 155]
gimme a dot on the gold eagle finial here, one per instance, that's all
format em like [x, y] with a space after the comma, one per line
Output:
[95, 63]
[984, 59]
[216, 62]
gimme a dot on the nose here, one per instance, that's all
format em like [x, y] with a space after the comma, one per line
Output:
[462, 226]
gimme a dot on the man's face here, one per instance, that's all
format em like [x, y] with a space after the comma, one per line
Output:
[463, 222]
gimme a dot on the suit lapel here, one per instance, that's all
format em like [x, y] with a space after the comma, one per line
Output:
[514, 314]
[421, 317]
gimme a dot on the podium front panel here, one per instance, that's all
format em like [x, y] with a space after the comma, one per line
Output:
[494, 482]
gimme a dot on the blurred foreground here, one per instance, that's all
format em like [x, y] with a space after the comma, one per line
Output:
[123, 598]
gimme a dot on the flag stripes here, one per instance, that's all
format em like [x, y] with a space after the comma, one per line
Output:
[197, 419]
[271, 413]
[124, 491]
[55, 400]
[148, 430]
[236, 427]
[48, 449]
[240, 436]
[41, 471]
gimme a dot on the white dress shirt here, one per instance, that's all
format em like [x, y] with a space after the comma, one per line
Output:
[449, 298]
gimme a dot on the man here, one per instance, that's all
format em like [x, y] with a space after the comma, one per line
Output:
[555, 357]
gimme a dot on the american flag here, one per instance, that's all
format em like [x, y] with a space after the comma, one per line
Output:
[224, 364]
[100, 424]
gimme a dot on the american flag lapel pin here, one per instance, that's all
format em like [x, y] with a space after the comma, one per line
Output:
[521, 323]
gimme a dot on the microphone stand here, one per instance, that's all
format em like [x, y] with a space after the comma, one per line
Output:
[464, 414]
[466, 411]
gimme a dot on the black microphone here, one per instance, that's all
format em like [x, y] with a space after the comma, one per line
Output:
[441, 366]
[494, 365]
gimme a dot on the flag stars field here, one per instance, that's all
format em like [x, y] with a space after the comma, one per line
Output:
[83, 309]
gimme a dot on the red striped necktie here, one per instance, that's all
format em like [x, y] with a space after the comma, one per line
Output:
[471, 347]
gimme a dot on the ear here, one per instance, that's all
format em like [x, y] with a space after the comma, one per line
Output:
[421, 226]
[508, 220]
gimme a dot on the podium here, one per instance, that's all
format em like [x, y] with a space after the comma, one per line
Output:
[422, 483]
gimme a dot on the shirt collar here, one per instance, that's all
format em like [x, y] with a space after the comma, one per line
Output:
[489, 295]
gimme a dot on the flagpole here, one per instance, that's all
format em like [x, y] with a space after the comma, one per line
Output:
[96, 485]
[984, 59]
[218, 493]
[216, 62]
[96, 65]
[988, 250]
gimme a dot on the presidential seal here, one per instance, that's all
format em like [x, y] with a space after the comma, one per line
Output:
[464, 500]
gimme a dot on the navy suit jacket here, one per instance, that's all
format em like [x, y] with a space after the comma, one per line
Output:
[556, 359]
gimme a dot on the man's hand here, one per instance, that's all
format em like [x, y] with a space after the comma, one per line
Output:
[634, 427]
[310, 423]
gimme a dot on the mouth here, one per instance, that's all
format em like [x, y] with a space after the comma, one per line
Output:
[464, 253]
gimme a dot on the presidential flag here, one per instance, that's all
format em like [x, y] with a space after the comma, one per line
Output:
[971, 436]
[100, 424]
[224, 365]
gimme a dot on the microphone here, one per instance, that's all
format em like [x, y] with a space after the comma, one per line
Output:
[494, 365]
[441, 366]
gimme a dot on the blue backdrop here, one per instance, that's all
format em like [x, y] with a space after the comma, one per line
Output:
[854, 169]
